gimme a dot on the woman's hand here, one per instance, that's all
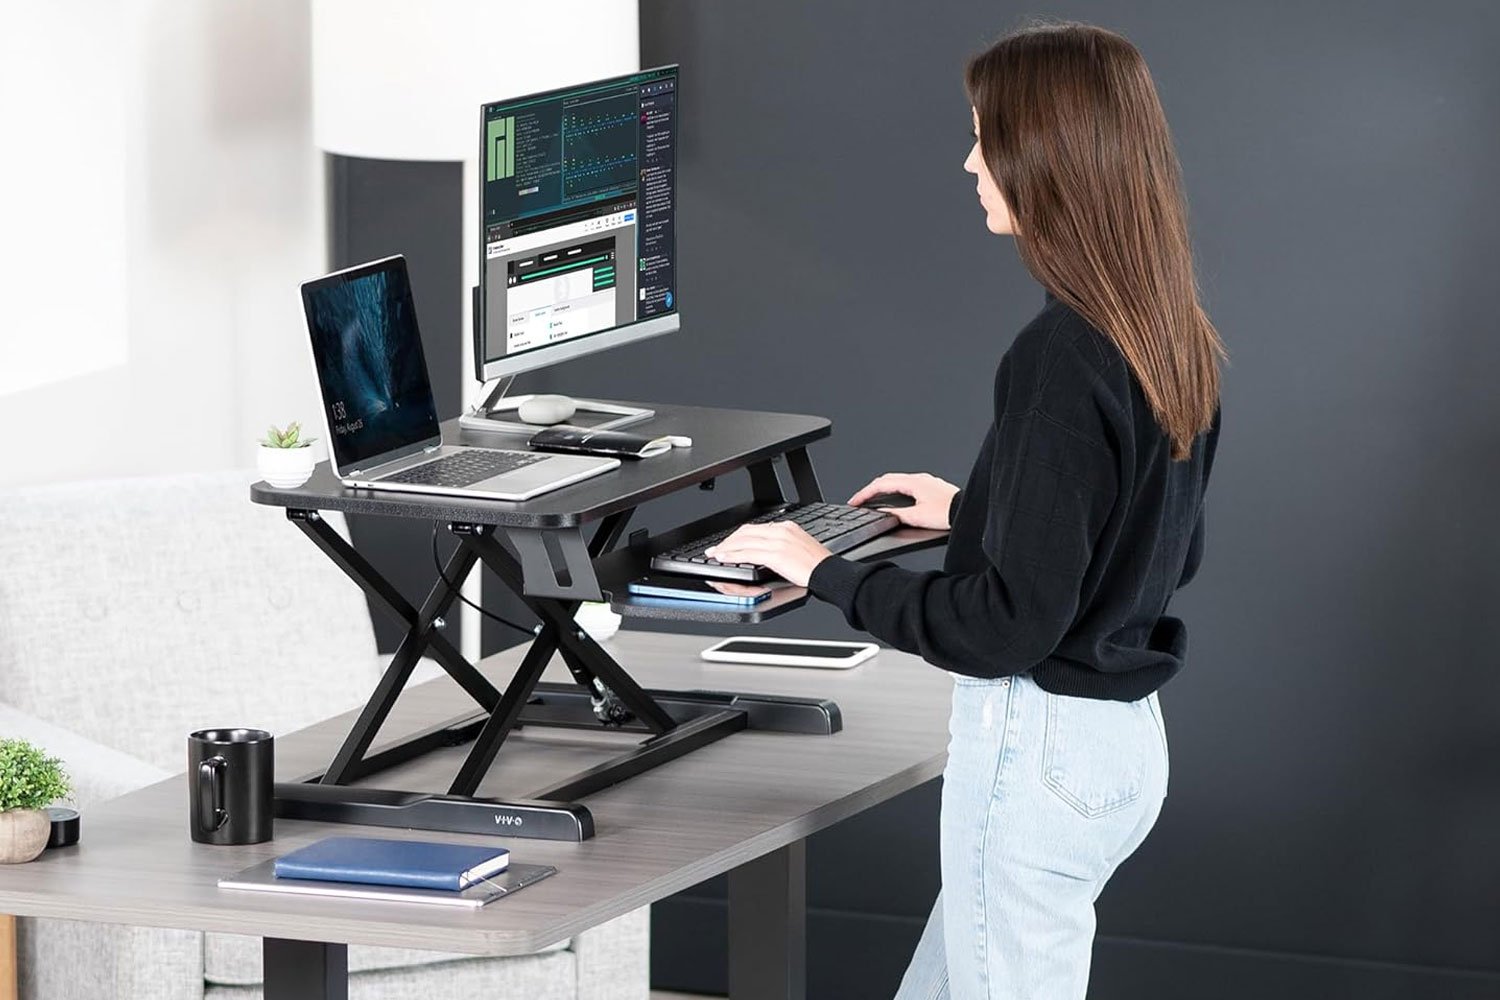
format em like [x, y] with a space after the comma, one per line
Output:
[933, 497]
[781, 546]
[791, 553]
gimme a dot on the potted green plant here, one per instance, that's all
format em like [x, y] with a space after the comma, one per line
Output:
[29, 781]
[284, 459]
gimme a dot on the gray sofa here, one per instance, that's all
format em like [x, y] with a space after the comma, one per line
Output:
[135, 611]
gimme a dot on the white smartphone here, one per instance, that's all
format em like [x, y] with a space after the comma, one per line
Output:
[790, 652]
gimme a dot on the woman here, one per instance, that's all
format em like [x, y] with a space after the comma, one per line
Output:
[1082, 515]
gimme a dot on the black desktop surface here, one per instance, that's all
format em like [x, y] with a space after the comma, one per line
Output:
[723, 441]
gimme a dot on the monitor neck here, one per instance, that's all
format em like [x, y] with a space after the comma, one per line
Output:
[496, 394]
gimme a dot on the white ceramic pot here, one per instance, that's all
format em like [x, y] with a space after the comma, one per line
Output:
[23, 835]
[285, 468]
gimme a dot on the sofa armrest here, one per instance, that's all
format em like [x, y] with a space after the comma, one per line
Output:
[97, 772]
[614, 959]
[65, 959]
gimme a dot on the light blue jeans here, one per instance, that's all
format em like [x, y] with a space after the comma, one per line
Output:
[1043, 797]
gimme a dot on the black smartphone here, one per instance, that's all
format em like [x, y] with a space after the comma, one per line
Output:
[692, 588]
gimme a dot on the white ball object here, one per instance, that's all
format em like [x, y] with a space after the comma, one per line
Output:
[546, 409]
[597, 620]
[286, 468]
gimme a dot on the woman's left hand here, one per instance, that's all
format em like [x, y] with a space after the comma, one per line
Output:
[781, 546]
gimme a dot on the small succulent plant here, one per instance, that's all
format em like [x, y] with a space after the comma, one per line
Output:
[289, 438]
[29, 779]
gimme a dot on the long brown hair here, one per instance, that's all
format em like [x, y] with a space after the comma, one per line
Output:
[1073, 133]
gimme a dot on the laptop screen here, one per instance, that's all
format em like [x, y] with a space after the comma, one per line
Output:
[368, 352]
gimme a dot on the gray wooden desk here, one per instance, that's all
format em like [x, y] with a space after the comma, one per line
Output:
[743, 806]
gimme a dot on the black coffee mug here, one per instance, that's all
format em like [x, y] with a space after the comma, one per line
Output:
[229, 785]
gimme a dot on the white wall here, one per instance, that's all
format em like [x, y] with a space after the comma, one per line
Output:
[64, 127]
[183, 287]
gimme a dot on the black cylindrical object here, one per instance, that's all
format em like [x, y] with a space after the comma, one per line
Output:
[64, 826]
[229, 780]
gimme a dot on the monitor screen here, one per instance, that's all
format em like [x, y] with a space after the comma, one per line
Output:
[578, 198]
[368, 355]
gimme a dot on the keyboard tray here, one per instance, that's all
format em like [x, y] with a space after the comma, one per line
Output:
[618, 568]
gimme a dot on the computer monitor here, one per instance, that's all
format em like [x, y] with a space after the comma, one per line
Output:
[578, 248]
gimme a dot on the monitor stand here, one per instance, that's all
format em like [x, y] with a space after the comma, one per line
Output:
[497, 414]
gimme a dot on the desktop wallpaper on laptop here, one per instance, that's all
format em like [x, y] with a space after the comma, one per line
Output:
[373, 375]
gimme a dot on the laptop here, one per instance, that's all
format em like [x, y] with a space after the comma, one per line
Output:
[377, 399]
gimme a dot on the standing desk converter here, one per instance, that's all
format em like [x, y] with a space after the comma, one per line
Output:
[539, 551]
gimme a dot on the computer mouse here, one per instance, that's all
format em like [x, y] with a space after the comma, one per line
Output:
[546, 409]
[889, 500]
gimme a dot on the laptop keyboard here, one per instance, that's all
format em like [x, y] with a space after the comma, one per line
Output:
[464, 468]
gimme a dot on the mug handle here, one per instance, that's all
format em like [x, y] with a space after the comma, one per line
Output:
[211, 812]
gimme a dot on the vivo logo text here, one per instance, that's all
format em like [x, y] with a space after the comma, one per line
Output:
[503, 820]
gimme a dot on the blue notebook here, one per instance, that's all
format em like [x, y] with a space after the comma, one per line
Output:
[413, 863]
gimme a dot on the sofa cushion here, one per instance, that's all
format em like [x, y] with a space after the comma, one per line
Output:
[135, 611]
[96, 773]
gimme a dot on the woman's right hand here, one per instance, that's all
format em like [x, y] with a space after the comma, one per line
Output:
[933, 497]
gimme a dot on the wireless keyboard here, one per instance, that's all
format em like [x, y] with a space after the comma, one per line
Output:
[837, 526]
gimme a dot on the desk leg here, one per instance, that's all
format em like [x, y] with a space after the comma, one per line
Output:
[305, 970]
[8, 963]
[768, 926]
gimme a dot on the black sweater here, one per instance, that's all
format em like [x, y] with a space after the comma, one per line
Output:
[1068, 541]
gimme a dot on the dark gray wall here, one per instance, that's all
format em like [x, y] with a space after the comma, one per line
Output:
[377, 208]
[1335, 799]
[1335, 794]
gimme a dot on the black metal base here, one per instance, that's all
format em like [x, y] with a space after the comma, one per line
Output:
[546, 813]
[565, 705]
[421, 811]
[605, 696]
